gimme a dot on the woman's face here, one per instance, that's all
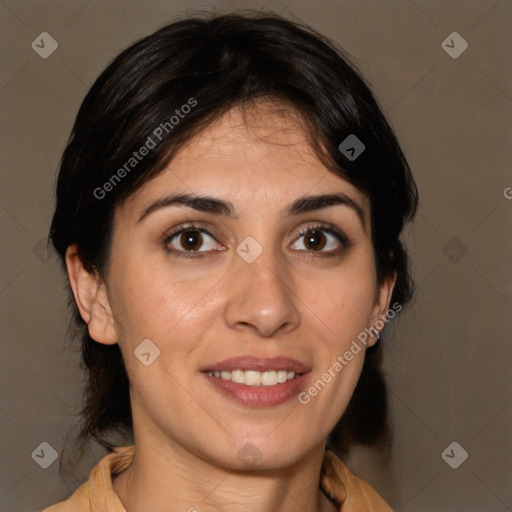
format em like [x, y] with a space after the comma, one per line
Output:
[243, 285]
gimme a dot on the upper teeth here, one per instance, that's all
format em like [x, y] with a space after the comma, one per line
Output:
[254, 378]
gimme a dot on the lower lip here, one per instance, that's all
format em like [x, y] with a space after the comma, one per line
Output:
[259, 396]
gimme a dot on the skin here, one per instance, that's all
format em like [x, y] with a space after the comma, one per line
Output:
[291, 301]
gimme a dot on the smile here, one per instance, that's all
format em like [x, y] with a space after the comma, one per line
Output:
[255, 378]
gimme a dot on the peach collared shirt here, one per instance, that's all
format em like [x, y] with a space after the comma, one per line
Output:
[347, 491]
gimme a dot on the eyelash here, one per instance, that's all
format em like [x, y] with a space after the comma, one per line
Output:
[341, 237]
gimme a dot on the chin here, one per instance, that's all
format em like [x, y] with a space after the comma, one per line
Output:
[262, 453]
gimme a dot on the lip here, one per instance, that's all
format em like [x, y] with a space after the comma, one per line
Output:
[259, 396]
[260, 364]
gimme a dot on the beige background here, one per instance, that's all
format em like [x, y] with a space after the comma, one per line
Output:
[449, 362]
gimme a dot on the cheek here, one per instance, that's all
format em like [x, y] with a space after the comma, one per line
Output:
[151, 302]
[344, 305]
[341, 307]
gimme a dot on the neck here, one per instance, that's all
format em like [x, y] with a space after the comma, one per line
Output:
[171, 479]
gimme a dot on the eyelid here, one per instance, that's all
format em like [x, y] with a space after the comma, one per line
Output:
[344, 242]
[328, 228]
[188, 227]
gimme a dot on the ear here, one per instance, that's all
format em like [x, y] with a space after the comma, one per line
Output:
[91, 298]
[378, 318]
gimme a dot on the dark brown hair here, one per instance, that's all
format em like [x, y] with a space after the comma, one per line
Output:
[220, 62]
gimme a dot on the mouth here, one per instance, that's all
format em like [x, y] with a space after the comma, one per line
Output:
[258, 382]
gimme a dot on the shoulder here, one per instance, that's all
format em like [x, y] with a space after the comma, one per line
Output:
[350, 491]
[97, 493]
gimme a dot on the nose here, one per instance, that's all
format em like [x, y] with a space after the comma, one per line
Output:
[261, 297]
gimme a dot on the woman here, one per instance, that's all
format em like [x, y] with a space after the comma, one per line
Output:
[229, 208]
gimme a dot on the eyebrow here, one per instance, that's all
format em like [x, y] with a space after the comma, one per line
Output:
[217, 206]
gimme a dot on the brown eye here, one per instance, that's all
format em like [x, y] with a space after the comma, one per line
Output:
[324, 240]
[315, 240]
[191, 240]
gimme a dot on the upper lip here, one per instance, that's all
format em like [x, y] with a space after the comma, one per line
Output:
[260, 364]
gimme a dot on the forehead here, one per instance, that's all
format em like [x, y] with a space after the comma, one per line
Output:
[255, 155]
[253, 129]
